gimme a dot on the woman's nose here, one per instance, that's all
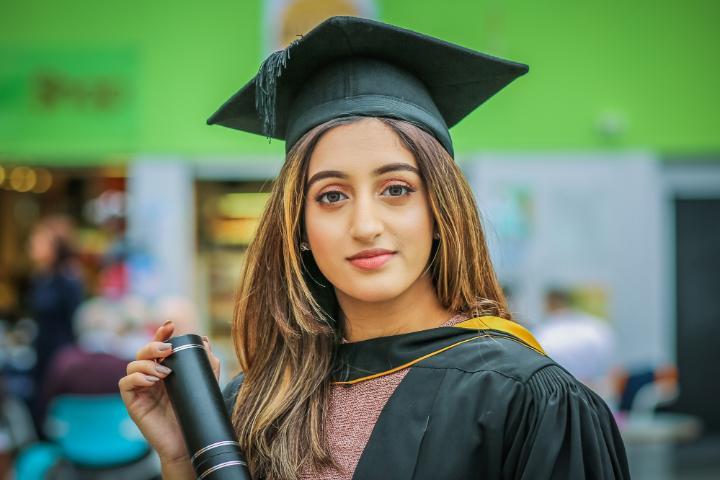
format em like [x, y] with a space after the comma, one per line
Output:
[365, 223]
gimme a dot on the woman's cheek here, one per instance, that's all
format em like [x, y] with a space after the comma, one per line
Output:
[327, 249]
[413, 224]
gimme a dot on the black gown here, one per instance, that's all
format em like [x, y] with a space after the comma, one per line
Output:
[481, 401]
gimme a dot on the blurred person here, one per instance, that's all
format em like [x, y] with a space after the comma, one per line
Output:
[95, 364]
[582, 343]
[369, 323]
[56, 290]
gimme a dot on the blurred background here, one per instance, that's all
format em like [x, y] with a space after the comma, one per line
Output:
[597, 175]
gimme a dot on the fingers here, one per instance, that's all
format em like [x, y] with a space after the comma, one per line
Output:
[148, 367]
[142, 374]
[165, 331]
[214, 361]
[158, 348]
[137, 380]
[149, 355]
[154, 350]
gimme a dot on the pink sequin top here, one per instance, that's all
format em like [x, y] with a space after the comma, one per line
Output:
[354, 409]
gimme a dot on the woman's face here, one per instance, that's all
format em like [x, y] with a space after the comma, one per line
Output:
[367, 217]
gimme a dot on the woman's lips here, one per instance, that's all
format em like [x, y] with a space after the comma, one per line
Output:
[371, 263]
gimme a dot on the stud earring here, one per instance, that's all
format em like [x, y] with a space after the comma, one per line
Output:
[304, 247]
[436, 235]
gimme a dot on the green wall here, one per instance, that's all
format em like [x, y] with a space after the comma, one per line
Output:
[650, 67]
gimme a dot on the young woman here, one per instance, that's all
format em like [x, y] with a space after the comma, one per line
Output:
[371, 331]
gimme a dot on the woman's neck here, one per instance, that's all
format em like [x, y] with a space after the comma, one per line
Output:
[418, 308]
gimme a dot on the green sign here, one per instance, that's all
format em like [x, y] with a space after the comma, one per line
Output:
[63, 100]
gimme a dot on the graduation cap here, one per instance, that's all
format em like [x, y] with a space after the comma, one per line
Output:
[356, 66]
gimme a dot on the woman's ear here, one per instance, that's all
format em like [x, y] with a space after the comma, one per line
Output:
[436, 232]
[303, 243]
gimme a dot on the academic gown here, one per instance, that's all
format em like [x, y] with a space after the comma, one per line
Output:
[481, 401]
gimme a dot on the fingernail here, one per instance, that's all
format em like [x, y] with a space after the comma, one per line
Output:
[166, 323]
[165, 346]
[150, 378]
[205, 339]
[162, 369]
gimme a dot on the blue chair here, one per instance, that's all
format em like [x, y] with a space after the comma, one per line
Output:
[91, 438]
[94, 430]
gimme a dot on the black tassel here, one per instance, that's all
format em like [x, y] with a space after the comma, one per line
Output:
[266, 86]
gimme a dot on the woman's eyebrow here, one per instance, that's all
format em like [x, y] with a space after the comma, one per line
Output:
[391, 167]
[325, 174]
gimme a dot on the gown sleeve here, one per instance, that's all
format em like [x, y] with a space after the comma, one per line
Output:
[558, 428]
[230, 392]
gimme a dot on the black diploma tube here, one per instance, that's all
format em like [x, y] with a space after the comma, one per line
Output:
[199, 407]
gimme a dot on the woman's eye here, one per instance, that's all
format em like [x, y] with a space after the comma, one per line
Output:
[398, 190]
[331, 197]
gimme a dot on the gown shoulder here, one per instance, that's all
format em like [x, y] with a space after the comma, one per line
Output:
[230, 391]
[559, 428]
[553, 426]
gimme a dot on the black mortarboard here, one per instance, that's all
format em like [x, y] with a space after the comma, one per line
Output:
[355, 66]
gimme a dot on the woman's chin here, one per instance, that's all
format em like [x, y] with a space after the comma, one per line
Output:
[376, 290]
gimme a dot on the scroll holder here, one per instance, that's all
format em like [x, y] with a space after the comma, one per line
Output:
[199, 407]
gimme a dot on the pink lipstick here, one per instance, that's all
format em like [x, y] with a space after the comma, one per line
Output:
[371, 259]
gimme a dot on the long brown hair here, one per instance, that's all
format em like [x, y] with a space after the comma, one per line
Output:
[285, 337]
